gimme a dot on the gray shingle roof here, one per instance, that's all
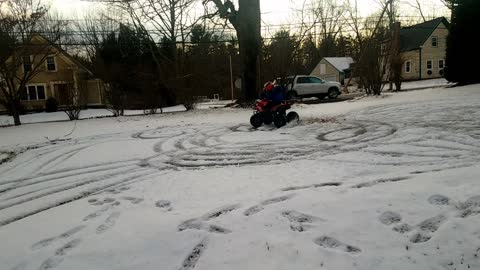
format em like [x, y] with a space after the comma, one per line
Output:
[340, 63]
[412, 37]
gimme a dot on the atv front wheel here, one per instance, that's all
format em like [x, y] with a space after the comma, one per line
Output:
[256, 120]
[292, 117]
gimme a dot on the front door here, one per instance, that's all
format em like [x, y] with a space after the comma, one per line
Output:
[61, 93]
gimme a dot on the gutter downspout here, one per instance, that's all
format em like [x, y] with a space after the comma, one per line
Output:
[420, 63]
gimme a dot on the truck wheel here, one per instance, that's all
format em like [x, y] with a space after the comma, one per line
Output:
[333, 93]
[292, 95]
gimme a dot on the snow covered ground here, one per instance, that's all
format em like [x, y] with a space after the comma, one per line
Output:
[412, 85]
[424, 83]
[379, 183]
[6, 120]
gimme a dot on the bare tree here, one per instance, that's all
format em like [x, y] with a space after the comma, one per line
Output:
[246, 20]
[22, 51]
[74, 100]
[396, 60]
[370, 64]
[329, 15]
[354, 21]
[417, 6]
[93, 29]
[171, 22]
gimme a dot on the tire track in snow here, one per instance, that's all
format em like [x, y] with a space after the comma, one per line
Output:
[72, 198]
[65, 182]
[73, 185]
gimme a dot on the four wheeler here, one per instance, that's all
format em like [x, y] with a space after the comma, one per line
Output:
[276, 114]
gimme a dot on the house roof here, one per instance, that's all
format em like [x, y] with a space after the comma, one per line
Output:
[340, 63]
[64, 53]
[412, 37]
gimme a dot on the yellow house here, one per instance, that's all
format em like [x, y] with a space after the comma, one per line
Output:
[423, 49]
[57, 72]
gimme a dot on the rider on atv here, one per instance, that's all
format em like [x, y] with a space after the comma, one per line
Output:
[274, 94]
[272, 108]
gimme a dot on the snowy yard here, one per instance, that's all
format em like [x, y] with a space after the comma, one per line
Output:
[42, 117]
[384, 183]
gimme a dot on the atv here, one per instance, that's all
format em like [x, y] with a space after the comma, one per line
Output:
[277, 114]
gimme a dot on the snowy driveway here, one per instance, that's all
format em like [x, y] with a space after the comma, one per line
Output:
[391, 185]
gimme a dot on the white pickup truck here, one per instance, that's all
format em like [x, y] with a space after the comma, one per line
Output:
[311, 86]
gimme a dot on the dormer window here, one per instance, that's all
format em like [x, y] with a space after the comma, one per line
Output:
[434, 42]
[51, 66]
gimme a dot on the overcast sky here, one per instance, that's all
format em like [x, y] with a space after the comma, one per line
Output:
[273, 11]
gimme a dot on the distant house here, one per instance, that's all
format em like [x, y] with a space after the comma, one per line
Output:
[333, 68]
[423, 49]
[58, 72]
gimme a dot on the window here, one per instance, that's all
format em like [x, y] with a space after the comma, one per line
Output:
[441, 64]
[51, 66]
[41, 92]
[315, 80]
[303, 80]
[435, 42]
[34, 92]
[27, 63]
[408, 67]
[429, 65]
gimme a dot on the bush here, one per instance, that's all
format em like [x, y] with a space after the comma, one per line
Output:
[51, 105]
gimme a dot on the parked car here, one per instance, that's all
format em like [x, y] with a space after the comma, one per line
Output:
[310, 86]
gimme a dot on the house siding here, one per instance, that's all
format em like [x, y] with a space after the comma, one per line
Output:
[94, 93]
[67, 72]
[63, 74]
[331, 71]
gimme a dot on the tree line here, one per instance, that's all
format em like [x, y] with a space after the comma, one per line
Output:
[154, 53]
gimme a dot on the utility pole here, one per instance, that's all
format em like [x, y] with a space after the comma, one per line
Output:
[420, 62]
[394, 54]
[231, 76]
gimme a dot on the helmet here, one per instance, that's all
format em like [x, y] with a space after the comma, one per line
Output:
[268, 86]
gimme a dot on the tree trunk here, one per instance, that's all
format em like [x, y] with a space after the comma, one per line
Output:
[249, 41]
[398, 86]
[15, 113]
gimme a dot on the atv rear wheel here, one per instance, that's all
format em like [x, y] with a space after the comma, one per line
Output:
[292, 117]
[256, 120]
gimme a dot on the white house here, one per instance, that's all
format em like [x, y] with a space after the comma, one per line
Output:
[333, 68]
